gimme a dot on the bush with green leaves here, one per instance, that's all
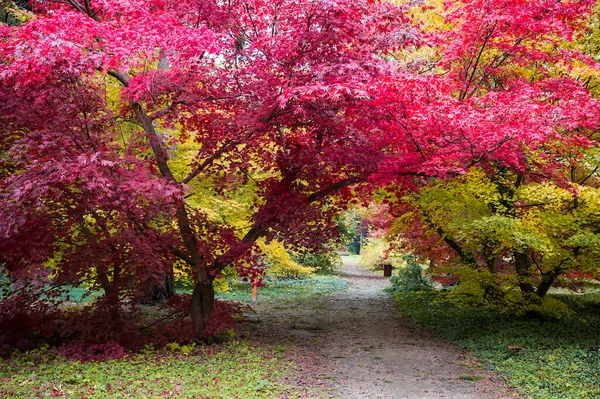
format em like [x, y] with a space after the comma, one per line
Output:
[480, 288]
[322, 262]
[409, 279]
[377, 251]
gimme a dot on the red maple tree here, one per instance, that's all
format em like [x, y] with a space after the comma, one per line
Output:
[283, 88]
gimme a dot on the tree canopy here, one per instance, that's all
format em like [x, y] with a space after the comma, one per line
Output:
[124, 123]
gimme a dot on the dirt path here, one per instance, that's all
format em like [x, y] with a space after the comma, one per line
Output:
[353, 344]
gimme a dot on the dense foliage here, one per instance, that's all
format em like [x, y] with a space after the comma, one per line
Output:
[96, 97]
[142, 139]
[525, 217]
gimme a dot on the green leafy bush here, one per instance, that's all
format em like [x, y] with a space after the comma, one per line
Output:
[377, 251]
[480, 288]
[280, 264]
[477, 288]
[321, 262]
[409, 279]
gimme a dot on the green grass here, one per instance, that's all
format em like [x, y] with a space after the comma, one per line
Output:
[233, 371]
[559, 359]
[278, 290]
[282, 290]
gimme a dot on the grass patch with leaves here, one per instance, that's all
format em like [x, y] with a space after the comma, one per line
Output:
[542, 358]
[283, 289]
[232, 371]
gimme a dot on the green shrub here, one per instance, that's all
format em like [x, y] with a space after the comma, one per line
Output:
[477, 288]
[373, 253]
[480, 288]
[320, 262]
[409, 279]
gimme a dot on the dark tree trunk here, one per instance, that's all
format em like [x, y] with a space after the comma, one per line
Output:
[547, 281]
[544, 286]
[159, 291]
[523, 267]
[492, 264]
[112, 291]
[203, 300]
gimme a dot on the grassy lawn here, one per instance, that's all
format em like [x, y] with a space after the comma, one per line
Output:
[232, 371]
[285, 289]
[541, 358]
[229, 371]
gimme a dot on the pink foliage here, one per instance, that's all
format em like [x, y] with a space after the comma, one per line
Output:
[308, 94]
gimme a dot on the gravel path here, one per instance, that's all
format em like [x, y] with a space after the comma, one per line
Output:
[353, 344]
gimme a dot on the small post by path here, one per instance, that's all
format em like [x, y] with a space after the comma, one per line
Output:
[387, 269]
[254, 289]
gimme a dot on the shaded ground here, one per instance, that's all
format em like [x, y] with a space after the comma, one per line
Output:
[353, 344]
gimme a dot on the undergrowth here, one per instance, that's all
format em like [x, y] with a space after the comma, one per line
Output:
[97, 329]
[103, 330]
[543, 358]
[232, 371]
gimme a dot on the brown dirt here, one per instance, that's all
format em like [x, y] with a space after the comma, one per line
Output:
[353, 344]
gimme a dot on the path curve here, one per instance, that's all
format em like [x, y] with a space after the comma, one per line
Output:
[353, 344]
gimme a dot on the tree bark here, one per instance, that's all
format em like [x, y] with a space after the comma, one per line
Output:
[159, 291]
[203, 300]
[111, 293]
[545, 285]
[523, 267]
[492, 263]
[547, 281]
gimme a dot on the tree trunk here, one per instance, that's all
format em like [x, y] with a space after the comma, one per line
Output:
[544, 286]
[547, 281]
[203, 300]
[112, 299]
[492, 263]
[159, 291]
[523, 267]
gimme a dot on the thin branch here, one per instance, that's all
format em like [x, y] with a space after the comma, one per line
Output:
[182, 255]
[164, 111]
[164, 318]
[591, 174]
[208, 161]
[412, 137]
[76, 5]
[247, 8]
[88, 10]
[319, 195]
[490, 150]
[488, 36]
